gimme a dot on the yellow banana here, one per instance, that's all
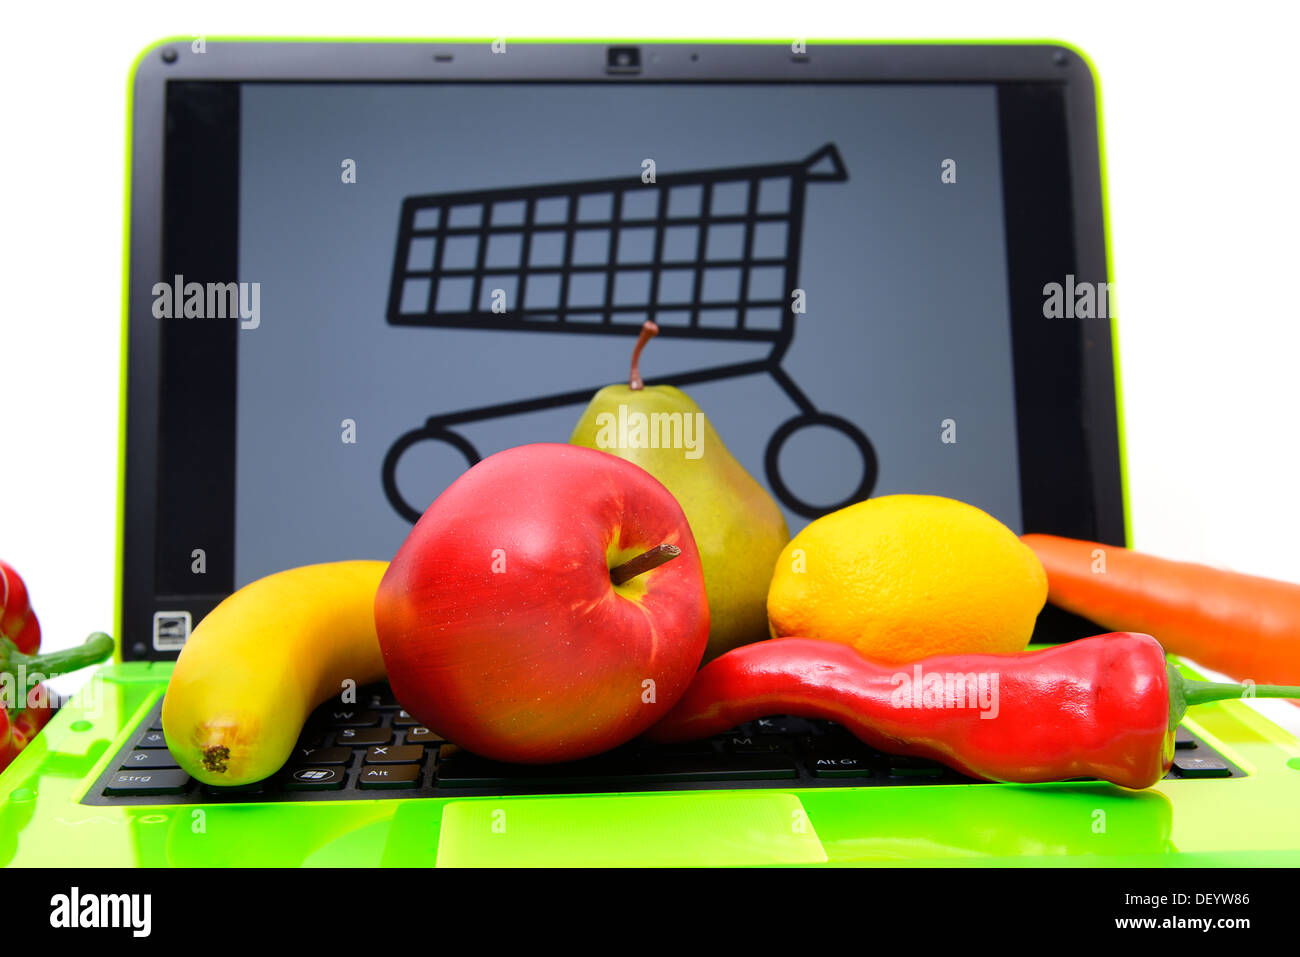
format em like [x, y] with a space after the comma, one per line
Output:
[259, 662]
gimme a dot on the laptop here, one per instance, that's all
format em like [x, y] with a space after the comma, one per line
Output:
[851, 250]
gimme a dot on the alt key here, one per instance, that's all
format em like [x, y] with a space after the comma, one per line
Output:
[390, 776]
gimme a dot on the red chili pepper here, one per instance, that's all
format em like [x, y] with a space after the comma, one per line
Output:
[27, 723]
[10, 744]
[23, 718]
[1104, 707]
[17, 623]
[17, 620]
[20, 637]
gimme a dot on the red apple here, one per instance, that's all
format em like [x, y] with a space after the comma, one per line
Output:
[502, 628]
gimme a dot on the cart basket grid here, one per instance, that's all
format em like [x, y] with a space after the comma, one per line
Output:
[706, 254]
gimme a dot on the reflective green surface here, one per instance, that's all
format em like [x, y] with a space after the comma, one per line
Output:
[1240, 821]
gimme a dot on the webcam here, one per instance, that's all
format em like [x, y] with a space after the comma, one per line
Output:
[623, 60]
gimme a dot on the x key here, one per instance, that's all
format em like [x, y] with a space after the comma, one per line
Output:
[395, 754]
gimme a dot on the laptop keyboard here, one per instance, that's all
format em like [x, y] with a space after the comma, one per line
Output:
[374, 749]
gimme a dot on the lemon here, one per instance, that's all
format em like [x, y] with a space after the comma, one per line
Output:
[904, 577]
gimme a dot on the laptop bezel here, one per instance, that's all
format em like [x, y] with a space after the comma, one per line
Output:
[220, 60]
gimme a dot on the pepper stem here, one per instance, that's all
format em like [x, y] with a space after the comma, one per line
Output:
[1184, 692]
[659, 555]
[91, 651]
[648, 331]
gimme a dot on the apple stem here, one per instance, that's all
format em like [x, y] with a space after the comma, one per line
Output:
[655, 557]
[648, 331]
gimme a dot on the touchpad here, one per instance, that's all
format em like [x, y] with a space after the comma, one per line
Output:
[652, 830]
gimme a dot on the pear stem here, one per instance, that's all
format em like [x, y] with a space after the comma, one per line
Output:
[648, 331]
[659, 555]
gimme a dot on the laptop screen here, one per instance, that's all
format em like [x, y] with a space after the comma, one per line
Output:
[903, 322]
[848, 279]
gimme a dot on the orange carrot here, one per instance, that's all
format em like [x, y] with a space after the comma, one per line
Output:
[1242, 625]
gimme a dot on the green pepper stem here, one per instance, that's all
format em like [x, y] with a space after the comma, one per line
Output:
[1184, 692]
[1198, 692]
[91, 651]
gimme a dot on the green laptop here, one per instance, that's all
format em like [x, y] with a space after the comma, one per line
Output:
[848, 249]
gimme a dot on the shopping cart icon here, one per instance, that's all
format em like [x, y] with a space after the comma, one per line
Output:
[710, 254]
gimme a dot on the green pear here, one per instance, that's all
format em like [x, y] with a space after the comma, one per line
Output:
[738, 528]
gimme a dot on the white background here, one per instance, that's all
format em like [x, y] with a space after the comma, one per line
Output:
[1200, 131]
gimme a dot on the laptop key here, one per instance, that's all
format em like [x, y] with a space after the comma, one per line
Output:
[314, 779]
[735, 767]
[464, 770]
[152, 739]
[363, 737]
[422, 736]
[395, 754]
[311, 739]
[379, 699]
[1183, 740]
[752, 744]
[148, 782]
[847, 766]
[781, 724]
[810, 743]
[149, 758]
[389, 776]
[652, 750]
[349, 718]
[254, 787]
[403, 719]
[907, 766]
[839, 745]
[321, 756]
[1197, 767]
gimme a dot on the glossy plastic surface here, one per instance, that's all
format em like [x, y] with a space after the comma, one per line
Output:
[1241, 821]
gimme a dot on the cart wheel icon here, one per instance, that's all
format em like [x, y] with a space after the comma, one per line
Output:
[426, 433]
[870, 467]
